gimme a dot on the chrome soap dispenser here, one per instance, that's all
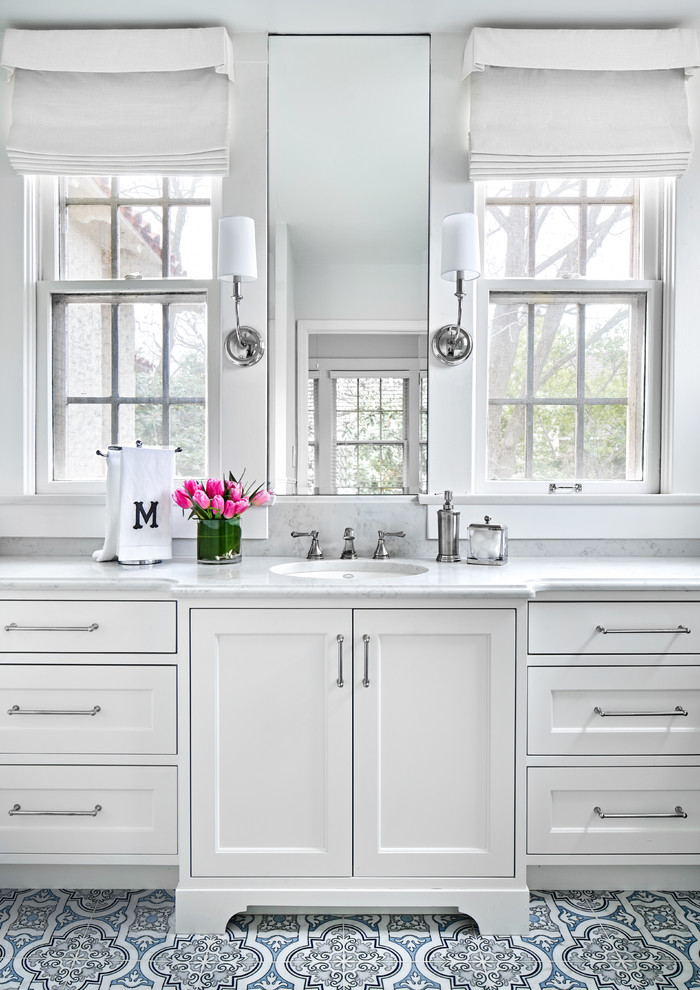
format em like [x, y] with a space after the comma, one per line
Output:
[448, 531]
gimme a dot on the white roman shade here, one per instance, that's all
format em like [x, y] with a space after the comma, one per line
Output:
[110, 102]
[579, 102]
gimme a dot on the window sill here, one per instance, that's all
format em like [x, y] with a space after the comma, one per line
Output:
[577, 517]
[570, 498]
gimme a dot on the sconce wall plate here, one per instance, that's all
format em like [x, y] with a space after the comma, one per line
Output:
[452, 344]
[244, 346]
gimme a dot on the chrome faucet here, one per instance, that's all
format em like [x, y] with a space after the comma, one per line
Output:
[315, 552]
[349, 552]
[381, 553]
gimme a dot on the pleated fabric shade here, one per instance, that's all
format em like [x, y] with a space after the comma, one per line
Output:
[579, 102]
[114, 102]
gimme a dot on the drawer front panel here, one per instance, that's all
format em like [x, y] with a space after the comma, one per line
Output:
[63, 708]
[88, 627]
[594, 628]
[609, 711]
[120, 810]
[562, 817]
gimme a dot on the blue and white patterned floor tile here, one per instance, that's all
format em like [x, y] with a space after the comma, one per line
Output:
[578, 940]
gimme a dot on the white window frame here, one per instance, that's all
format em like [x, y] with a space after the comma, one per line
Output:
[43, 194]
[671, 513]
[651, 231]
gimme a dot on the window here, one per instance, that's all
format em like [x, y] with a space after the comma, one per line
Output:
[369, 434]
[363, 436]
[572, 304]
[124, 330]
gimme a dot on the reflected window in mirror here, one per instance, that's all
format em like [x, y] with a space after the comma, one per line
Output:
[368, 424]
[362, 410]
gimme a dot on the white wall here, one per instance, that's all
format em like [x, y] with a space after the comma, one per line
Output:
[243, 405]
[361, 292]
[686, 357]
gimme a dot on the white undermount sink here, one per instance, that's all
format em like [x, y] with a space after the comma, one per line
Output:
[349, 570]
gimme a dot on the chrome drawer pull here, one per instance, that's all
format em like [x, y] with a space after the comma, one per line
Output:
[17, 810]
[678, 710]
[340, 639]
[676, 813]
[365, 679]
[610, 632]
[16, 710]
[13, 627]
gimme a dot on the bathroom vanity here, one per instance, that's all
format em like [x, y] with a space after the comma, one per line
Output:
[431, 740]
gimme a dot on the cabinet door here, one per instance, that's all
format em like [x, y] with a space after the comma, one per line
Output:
[434, 742]
[271, 742]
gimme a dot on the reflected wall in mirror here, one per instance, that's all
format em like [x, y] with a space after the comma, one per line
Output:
[348, 212]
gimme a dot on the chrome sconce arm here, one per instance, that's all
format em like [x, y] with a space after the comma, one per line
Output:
[243, 345]
[452, 344]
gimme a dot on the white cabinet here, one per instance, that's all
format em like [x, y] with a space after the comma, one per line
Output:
[91, 708]
[88, 733]
[613, 733]
[88, 811]
[277, 753]
[93, 626]
[434, 723]
[271, 742]
[652, 810]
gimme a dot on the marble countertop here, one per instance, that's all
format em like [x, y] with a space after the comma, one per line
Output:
[523, 577]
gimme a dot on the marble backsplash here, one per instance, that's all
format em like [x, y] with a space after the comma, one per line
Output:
[331, 517]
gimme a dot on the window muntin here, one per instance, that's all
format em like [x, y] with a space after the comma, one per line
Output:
[125, 346]
[562, 228]
[423, 433]
[127, 366]
[148, 226]
[566, 386]
[570, 388]
[312, 441]
[369, 434]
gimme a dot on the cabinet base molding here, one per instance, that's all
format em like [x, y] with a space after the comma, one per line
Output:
[207, 906]
[89, 876]
[599, 877]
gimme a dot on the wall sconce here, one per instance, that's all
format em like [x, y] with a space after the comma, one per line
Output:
[460, 263]
[237, 263]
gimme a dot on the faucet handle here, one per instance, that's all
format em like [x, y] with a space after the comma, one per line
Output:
[381, 553]
[315, 552]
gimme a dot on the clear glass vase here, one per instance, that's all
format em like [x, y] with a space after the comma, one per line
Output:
[219, 541]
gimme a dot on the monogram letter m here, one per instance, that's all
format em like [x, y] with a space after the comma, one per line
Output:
[140, 514]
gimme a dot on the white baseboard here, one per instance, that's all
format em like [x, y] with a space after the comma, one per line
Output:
[637, 877]
[88, 877]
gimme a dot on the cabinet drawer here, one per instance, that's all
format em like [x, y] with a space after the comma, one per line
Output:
[562, 819]
[120, 810]
[608, 711]
[62, 708]
[87, 627]
[591, 628]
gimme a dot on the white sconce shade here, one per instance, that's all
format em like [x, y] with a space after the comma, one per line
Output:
[460, 247]
[237, 260]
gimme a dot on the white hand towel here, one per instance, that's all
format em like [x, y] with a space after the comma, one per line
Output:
[139, 517]
[112, 486]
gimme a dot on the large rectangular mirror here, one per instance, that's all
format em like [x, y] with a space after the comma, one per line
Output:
[348, 212]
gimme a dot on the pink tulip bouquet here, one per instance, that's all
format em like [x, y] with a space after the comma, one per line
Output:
[218, 498]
